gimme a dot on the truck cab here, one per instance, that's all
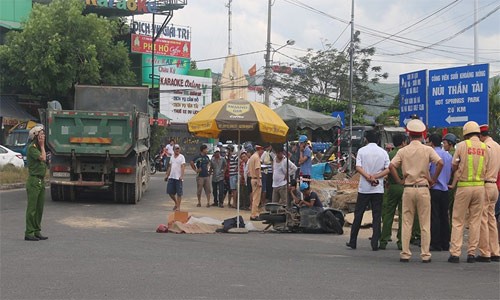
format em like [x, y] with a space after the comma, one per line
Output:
[18, 138]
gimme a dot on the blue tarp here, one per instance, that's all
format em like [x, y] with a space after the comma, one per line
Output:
[319, 169]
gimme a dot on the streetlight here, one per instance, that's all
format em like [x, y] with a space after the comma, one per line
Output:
[267, 74]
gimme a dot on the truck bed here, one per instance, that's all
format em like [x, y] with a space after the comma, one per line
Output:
[90, 133]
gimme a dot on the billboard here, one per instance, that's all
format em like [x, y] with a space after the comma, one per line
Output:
[165, 64]
[171, 31]
[458, 95]
[183, 96]
[412, 96]
[144, 44]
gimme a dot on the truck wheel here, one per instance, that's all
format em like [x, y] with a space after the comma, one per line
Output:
[132, 193]
[119, 192]
[68, 193]
[329, 223]
[55, 192]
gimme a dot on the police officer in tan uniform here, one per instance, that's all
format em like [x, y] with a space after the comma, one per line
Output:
[469, 164]
[414, 160]
[488, 237]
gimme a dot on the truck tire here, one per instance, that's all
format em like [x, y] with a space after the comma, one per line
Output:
[55, 192]
[68, 193]
[329, 223]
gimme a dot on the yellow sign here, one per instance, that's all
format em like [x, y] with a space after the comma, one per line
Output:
[237, 109]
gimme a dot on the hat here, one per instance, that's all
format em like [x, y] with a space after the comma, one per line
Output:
[257, 147]
[484, 128]
[177, 146]
[303, 186]
[217, 149]
[219, 144]
[415, 127]
[302, 138]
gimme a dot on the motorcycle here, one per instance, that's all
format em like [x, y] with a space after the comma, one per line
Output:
[307, 220]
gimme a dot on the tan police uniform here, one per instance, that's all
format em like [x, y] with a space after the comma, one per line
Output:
[471, 157]
[254, 173]
[488, 237]
[414, 160]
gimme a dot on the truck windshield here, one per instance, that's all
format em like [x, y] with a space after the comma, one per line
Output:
[17, 138]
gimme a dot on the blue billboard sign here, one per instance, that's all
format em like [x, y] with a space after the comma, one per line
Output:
[341, 116]
[412, 96]
[458, 95]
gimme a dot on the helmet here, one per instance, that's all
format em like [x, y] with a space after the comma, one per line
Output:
[450, 137]
[35, 131]
[303, 186]
[302, 138]
[162, 228]
[471, 127]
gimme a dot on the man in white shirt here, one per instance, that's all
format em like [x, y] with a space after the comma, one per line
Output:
[169, 151]
[280, 173]
[175, 175]
[372, 163]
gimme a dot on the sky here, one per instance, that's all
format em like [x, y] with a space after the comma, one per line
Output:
[408, 35]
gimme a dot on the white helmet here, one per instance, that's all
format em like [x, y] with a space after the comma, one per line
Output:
[35, 131]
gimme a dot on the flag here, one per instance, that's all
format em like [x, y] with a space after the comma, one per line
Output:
[253, 70]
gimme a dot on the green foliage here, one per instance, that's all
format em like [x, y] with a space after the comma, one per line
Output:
[158, 134]
[390, 117]
[59, 47]
[494, 112]
[325, 81]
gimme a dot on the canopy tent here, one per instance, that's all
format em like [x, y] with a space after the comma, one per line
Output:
[296, 117]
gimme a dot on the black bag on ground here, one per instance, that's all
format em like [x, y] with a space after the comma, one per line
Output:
[231, 223]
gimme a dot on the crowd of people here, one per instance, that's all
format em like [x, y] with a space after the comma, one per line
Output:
[439, 187]
[267, 173]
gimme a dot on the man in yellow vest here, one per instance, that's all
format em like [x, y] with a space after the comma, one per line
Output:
[469, 164]
[488, 237]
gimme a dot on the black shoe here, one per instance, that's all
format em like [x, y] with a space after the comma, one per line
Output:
[382, 247]
[214, 204]
[41, 237]
[495, 258]
[454, 259]
[350, 245]
[374, 248]
[31, 238]
[432, 248]
[404, 260]
[427, 261]
[485, 259]
[254, 219]
[471, 259]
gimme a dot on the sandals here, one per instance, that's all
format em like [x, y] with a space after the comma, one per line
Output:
[198, 205]
[208, 205]
[175, 208]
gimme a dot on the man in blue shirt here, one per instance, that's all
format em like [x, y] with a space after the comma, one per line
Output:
[305, 160]
[440, 230]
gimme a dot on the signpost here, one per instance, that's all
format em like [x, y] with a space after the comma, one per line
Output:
[458, 95]
[341, 116]
[413, 96]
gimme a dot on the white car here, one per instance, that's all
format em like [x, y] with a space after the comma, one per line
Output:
[9, 157]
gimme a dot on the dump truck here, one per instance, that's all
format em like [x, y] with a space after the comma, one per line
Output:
[103, 144]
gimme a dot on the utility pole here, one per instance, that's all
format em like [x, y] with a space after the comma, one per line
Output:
[229, 28]
[267, 86]
[351, 80]
[475, 32]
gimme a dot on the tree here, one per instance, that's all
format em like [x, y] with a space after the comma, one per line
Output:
[494, 112]
[390, 117]
[324, 76]
[60, 47]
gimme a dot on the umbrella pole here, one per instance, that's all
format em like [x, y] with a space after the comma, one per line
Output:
[238, 184]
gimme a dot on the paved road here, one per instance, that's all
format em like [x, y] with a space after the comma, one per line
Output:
[102, 250]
